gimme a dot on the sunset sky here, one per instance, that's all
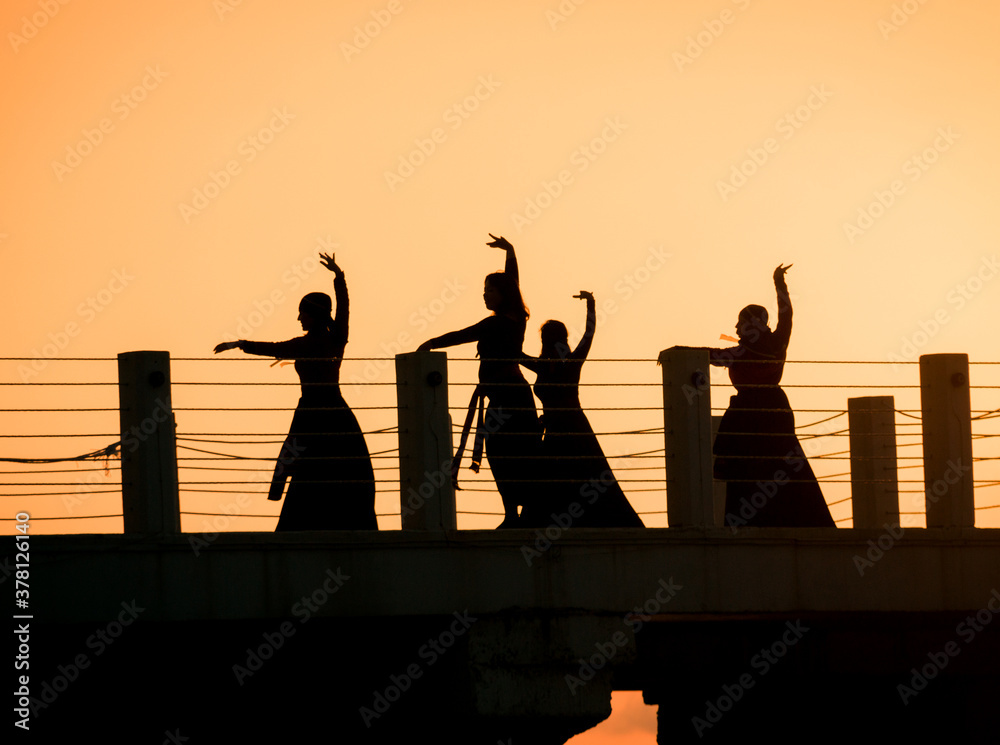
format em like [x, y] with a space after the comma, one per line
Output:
[171, 172]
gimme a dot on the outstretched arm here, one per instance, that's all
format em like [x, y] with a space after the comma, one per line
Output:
[532, 363]
[452, 338]
[340, 322]
[583, 348]
[510, 266]
[286, 350]
[783, 331]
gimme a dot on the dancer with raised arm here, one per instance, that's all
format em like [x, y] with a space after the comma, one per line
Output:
[332, 483]
[509, 427]
[578, 479]
[769, 482]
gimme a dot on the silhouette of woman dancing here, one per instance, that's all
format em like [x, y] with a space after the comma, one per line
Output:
[769, 482]
[332, 482]
[573, 460]
[509, 427]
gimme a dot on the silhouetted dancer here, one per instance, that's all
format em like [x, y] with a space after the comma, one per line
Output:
[509, 427]
[769, 482]
[332, 482]
[579, 481]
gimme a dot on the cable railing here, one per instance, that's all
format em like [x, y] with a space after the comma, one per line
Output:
[59, 464]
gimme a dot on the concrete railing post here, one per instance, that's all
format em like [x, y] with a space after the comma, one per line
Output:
[687, 434]
[426, 495]
[874, 484]
[718, 486]
[148, 444]
[947, 435]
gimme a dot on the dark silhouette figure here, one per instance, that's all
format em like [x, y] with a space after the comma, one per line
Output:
[579, 480]
[509, 427]
[769, 482]
[332, 482]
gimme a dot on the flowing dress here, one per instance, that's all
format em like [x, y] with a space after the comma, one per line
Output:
[577, 477]
[769, 481]
[507, 424]
[332, 484]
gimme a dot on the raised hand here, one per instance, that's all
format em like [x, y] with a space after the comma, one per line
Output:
[226, 345]
[779, 272]
[500, 242]
[330, 263]
[584, 295]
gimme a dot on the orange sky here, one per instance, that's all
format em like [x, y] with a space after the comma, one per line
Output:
[172, 170]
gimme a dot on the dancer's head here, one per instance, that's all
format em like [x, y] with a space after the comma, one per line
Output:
[314, 311]
[503, 296]
[555, 340]
[752, 323]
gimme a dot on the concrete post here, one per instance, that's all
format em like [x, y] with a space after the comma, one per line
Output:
[947, 440]
[718, 486]
[687, 434]
[149, 444]
[426, 495]
[874, 484]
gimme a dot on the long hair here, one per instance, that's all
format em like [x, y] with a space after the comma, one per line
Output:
[555, 340]
[510, 291]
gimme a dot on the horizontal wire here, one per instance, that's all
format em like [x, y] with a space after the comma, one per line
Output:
[60, 493]
[74, 517]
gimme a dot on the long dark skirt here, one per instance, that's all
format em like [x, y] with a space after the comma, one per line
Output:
[332, 484]
[513, 441]
[769, 482]
[576, 478]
